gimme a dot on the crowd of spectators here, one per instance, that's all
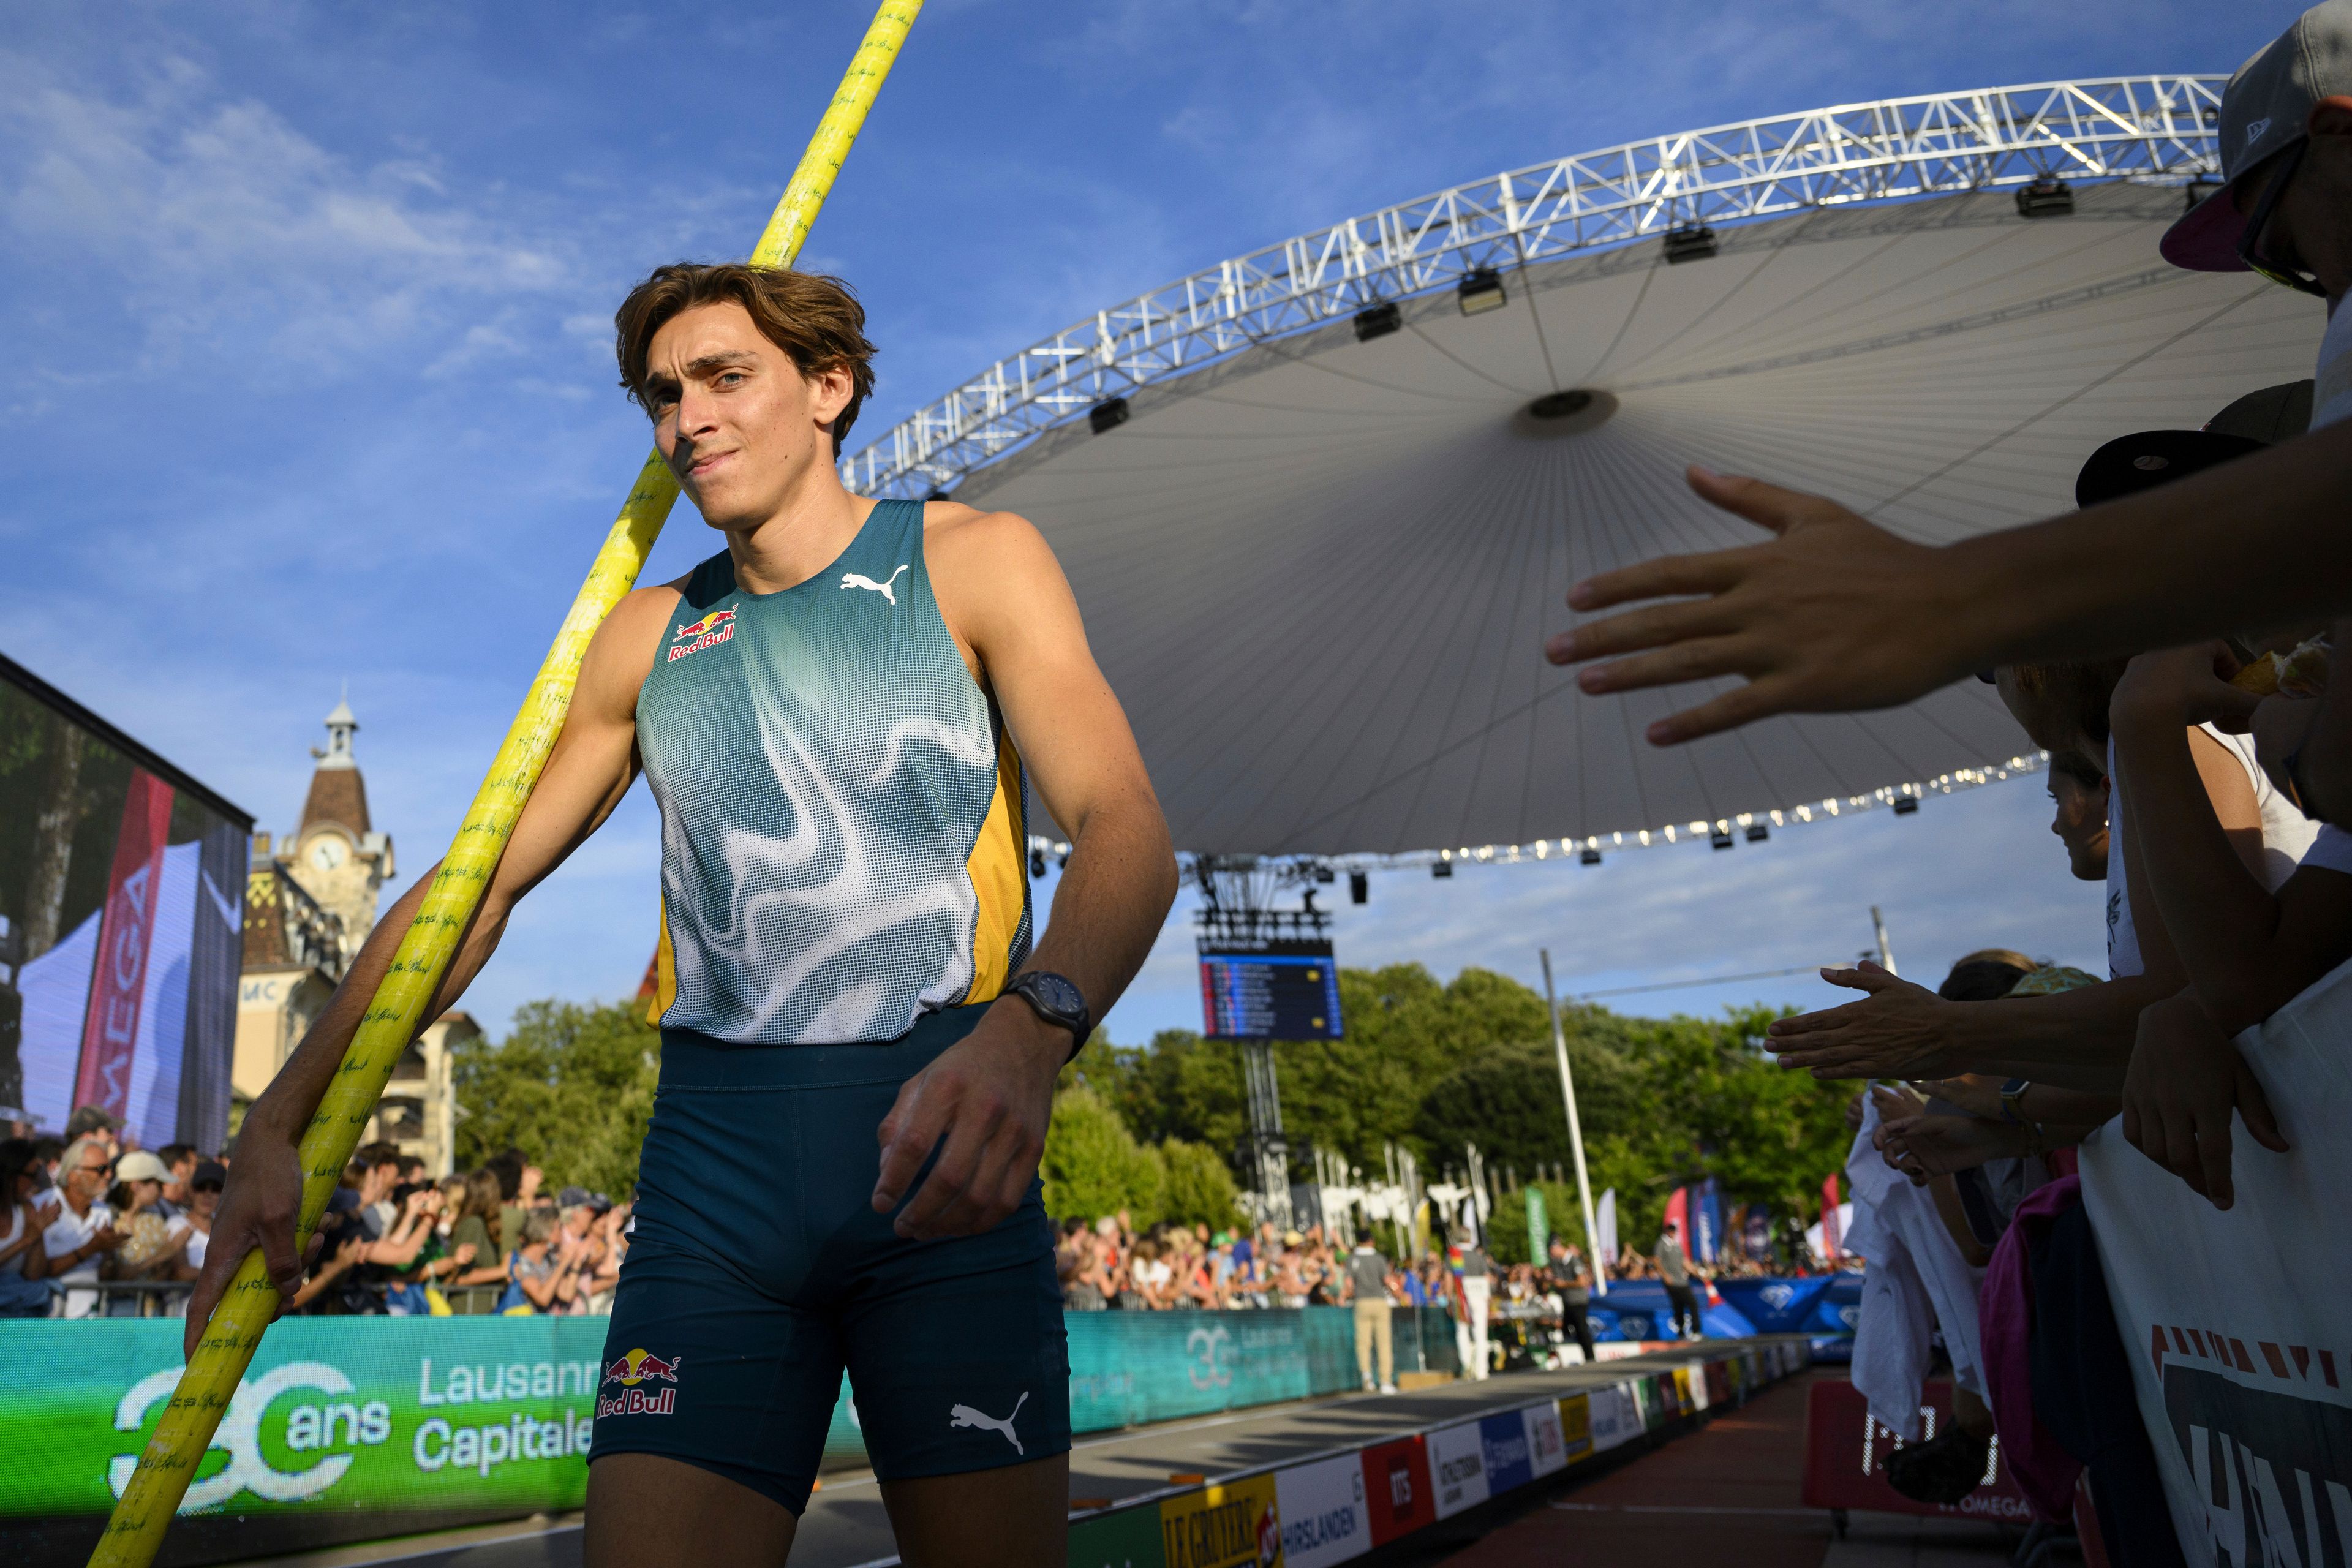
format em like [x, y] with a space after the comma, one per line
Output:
[95, 1227]
[1108, 1266]
[2171, 646]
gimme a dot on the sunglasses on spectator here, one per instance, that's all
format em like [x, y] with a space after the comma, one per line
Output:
[2251, 236]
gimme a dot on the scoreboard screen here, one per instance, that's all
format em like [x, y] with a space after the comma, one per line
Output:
[1279, 989]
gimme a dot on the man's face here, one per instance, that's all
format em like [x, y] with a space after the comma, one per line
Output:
[86, 1180]
[735, 419]
[380, 1180]
[2080, 821]
[2311, 227]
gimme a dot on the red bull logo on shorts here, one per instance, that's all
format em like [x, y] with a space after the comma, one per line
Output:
[632, 1371]
[712, 629]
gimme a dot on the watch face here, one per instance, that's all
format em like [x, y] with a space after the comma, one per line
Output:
[1058, 994]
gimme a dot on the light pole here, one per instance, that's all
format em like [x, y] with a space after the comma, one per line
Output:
[1575, 1133]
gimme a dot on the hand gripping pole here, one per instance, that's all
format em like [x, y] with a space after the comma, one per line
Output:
[135, 1532]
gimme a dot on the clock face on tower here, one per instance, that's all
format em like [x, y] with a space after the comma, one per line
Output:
[326, 853]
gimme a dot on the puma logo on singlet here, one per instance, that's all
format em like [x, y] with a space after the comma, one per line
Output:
[860, 580]
[965, 1415]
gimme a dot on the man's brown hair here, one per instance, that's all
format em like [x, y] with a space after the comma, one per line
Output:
[814, 318]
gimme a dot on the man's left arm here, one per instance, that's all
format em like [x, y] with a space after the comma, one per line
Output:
[990, 1095]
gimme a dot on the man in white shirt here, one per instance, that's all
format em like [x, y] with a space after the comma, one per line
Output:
[84, 1230]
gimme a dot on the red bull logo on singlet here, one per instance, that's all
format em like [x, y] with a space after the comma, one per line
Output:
[715, 627]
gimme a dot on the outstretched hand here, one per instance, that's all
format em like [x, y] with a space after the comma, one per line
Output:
[1898, 1030]
[1925, 1146]
[983, 1103]
[2185, 1080]
[1832, 615]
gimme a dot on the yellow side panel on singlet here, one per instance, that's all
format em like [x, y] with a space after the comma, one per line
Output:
[665, 972]
[998, 866]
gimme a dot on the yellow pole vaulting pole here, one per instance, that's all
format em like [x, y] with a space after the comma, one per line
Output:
[168, 1463]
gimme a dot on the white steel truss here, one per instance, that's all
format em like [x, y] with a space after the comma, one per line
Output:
[2156, 129]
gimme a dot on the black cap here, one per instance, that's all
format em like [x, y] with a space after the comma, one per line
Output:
[209, 1173]
[2275, 414]
[2130, 464]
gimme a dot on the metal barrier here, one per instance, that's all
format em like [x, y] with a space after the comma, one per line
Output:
[119, 1297]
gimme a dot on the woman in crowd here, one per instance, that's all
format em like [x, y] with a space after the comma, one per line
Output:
[476, 1290]
[204, 1201]
[547, 1270]
[154, 1236]
[23, 1262]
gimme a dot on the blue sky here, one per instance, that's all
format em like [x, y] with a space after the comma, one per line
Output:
[310, 379]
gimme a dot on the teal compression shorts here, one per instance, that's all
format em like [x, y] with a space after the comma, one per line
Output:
[758, 1271]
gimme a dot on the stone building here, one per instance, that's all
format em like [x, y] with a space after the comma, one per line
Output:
[310, 900]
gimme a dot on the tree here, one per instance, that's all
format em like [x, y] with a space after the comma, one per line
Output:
[1198, 1187]
[1093, 1166]
[571, 1087]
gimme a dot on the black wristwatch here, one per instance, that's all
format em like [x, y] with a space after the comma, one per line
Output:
[1057, 1001]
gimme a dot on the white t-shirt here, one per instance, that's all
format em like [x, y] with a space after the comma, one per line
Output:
[197, 1241]
[2287, 836]
[69, 1231]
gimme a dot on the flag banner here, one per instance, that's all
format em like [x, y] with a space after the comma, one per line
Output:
[1538, 1228]
[1707, 1220]
[1606, 1224]
[1677, 1219]
[2234, 1320]
[1832, 1218]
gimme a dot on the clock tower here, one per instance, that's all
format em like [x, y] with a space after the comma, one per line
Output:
[336, 856]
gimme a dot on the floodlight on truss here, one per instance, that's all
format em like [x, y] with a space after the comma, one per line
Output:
[1755, 825]
[2151, 129]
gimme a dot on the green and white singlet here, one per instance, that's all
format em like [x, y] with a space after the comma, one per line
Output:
[842, 840]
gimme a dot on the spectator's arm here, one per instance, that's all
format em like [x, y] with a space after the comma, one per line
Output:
[1833, 613]
[2187, 1078]
[2080, 1038]
[2197, 832]
[2317, 737]
[36, 1256]
[542, 1291]
[488, 1274]
[326, 1274]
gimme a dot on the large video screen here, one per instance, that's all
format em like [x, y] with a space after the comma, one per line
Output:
[1277, 989]
[120, 924]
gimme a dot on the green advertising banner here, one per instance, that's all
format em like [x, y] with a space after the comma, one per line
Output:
[350, 1428]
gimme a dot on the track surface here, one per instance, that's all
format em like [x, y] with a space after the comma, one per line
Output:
[1726, 1493]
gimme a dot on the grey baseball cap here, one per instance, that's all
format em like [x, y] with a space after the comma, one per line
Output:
[2265, 109]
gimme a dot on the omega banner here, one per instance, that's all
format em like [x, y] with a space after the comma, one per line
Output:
[2238, 1322]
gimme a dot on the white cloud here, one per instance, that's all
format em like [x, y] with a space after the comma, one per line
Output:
[221, 228]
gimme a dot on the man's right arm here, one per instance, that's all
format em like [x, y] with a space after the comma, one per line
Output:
[593, 764]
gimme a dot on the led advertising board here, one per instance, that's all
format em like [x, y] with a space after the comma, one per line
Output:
[121, 882]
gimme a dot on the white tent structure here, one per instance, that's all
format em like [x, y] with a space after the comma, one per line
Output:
[1319, 529]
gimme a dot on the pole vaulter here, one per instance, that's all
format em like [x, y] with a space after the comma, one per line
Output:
[134, 1534]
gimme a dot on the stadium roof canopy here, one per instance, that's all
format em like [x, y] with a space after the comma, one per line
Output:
[1318, 568]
